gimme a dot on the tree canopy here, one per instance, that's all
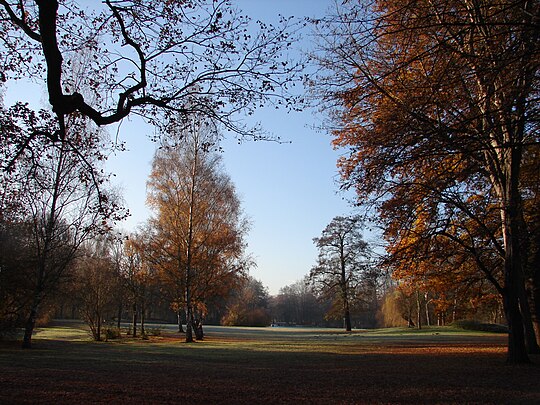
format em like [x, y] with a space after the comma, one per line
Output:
[343, 265]
[197, 233]
[188, 57]
[437, 103]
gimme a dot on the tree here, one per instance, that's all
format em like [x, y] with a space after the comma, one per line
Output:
[438, 104]
[15, 269]
[297, 304]
[198, 230]
[138, 274]
[341, 265]
[95, 284]
[249, 306]
[195, 57]
[56, 198]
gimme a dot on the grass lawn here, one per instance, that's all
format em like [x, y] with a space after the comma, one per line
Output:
[270, 365]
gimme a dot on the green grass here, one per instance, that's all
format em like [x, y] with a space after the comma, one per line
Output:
[279, 340]
[266, 365]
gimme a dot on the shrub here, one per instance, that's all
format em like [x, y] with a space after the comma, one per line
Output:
[112, 333]
[154, 331]
[479, 326]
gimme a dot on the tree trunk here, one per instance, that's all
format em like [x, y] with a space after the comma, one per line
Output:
[513, 264]
[517, 351]
[410, 323]
[347, 320]
[529, 243]
[134, 332]
[30, 324]
[189, 325]
[119, 320]
[532, 285]
[530, 336]
[418, 310]
[98, 329]
[179, 317]
[535, 304]
[428, 318]
[143, 332]
[199, 333]
[344, 285]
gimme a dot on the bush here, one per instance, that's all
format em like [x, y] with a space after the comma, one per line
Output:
[479, 326]
[253, 317]
[112, 333]
[154, 331]
[10, 333]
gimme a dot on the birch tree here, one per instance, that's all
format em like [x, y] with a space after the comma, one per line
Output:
[198, 228]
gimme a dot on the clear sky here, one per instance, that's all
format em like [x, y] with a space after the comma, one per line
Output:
[288, 191]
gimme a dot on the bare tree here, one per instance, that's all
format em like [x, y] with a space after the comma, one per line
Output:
[194, 57]
[341, 265]
[95, 283]
[58, 198]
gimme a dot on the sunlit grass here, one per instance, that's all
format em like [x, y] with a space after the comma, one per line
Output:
[75, 333]
[227, 342]
[255, 365]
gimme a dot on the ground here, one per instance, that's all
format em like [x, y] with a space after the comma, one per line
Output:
[269, 365]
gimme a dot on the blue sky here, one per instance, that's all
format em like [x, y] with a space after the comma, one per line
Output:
[288, 191]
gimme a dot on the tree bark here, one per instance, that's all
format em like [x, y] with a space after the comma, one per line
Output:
[189, 325]
[179, 317]
[530, 336]
[347, 318]
[517, 351]
[31, 323]
[98, 329]
[513, 264]
[535, 305]
[198, 327]
[119, 320]
[134, 332]
[410, 323]
[143, 332]
[428, 318]
[532, 283]
[418, 310]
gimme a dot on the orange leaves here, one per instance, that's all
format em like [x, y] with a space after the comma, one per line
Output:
[197, 231]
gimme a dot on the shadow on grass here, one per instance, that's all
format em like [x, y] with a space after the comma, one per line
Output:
[241, 368]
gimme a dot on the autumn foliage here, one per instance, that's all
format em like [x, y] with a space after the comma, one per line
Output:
[438, 106]
[195, 239]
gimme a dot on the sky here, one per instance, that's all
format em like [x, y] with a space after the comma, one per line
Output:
[289, 191]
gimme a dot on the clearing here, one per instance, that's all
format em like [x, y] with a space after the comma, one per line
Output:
[266, 365]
